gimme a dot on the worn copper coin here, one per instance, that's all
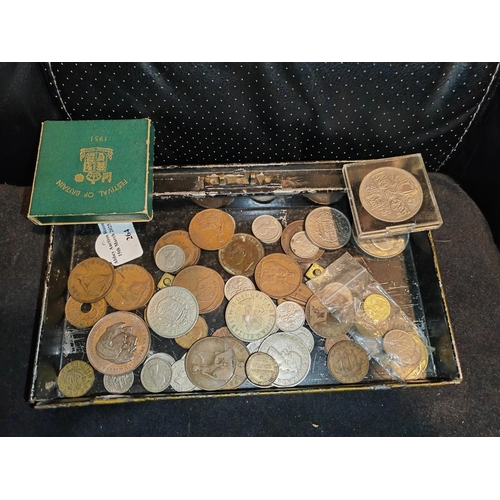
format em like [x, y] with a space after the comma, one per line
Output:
[382, 248]
[132, 288]
[391, 194]
[199, 330]
[322, 321]
[328, 228]
[278, 275]
[262, 369]
[237, 284]
[181, 239]
[75, 379]
[91, 280]
[348, 362]
[377, 307]
[118, 343]
[267, 228]
[205, 284]
[242, 354]
[210, 363]
[78, 317]
[288, 233]
[211, 229]
[241, 255]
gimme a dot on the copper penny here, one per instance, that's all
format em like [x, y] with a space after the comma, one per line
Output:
[205, 284]
[278, 275]
[223, 331]
[242, 354]
[322, 321]
[75, 379]
[133, 287]
[199, 330]
[241, 255]
[348, 362]
[118, 343]
[288, 233]
[211, 229]
[262, 369]
[181, 239]
[330, 342]
[84, 319]
[91, 280]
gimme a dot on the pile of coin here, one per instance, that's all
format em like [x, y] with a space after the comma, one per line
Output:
[264, 342]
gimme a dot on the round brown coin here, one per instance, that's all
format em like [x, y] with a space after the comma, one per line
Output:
[210, 363]
[133, 287]
[78, 316]
[242, 354]
[328, 228]
[223, 331]
[91, 280]
[199, 330]
[211, 229]
[377, 307]
[348, 362]
[241, 255]
[118, 343]
[330, 342]
[278, 275]
[262, 369]
[322, 321]
[181, 239]
[288, 233]
[75, 379]
[413, 371]
[205, 284]
[405, 347]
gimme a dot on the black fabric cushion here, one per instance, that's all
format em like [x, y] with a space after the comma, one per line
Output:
[470, 266]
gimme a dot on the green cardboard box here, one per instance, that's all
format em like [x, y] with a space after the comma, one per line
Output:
[93, 171]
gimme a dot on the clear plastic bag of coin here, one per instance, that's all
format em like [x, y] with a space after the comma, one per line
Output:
[380, 326]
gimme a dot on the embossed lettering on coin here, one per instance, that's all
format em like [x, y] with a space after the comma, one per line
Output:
[262, 369]
[348, 362]
[328, 228]
[75, 379]
[302, 247]
[91, 280]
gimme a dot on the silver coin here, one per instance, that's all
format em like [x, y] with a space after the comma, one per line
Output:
[391, 194]
[250, 315]
[180, 381]
[170, 258]
[172, 312]
[306, 336]
[118, 384]
[237, 284]
[289, 316]
[328, 228]
[292, 355]
[254, 346]
[156, 375]
[382, 248]
[302, 247]
[163, 355]
[267, 229]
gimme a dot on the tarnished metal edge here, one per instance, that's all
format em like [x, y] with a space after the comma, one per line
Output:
[445, 303]
[43, 311]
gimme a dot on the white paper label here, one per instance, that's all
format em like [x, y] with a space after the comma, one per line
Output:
[118, 243]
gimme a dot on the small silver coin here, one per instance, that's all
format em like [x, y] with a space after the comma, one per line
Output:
[180, 381]
[328, 228]
[302, 247]
[156, 375]
[382, 248]
[163, 355]
[170, 258]
[237, 284]
[118, 384]
[267, 229]
[289, 316]
[306, 336]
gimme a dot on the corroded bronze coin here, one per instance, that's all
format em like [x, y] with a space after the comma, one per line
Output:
[278, 275]
[205, 284]
[199, 330]
[118, 343]
[75, 379]
[288, 233]
[348, 362]
[262, 369]
[377, 307]
[322, 321]
[181, 239]
[241, 353]
[79, 317]
[241, 255]
[210, 363]
[211, 229]
[328, 228]
[391, 194]
[132, 288]
[91, 280]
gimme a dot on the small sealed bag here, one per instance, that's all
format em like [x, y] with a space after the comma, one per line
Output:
[372, 319]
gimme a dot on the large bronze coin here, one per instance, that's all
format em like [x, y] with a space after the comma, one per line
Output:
[242, 354]
[205, 284]
[241, 255]
[75, 379]
[91, 280]
[278, 275]
[118, 343]
[322, 321]
[133, 287]
[286, 237]
[199, 331]
[210, 363]
[348, 362]
[181, 239]
[80, 318]
[211, 229]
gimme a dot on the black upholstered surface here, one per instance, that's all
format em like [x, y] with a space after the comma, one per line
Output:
[470, 265]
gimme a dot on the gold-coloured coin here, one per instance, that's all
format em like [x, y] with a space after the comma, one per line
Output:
[133, 287]
[241, 255]
[182, 240]
[80, 318]
[166, 280]
[211, 229]
[348, 362]
[199, 330]
[75, 379]
[91, 280]
[278, 275]
[377, 307]
[262, 369]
